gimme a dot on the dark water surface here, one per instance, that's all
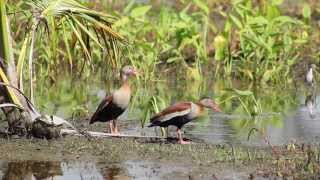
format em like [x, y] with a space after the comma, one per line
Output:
[85, 170]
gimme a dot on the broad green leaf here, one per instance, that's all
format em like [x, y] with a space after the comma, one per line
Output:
[219, 44]
[236, 21]
[276, 2]
[227, 27]
[267, 75]
[121, 22]
[243, 93]
[172, 59]
[240, 92]
[285, 19]
[140, 11]
[260, 20]
[129, 6]
[272, 12]
[306, 11]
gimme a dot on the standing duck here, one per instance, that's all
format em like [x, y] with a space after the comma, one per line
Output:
[114, 105]
[181, 113]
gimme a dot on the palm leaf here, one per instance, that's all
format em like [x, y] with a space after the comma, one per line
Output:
[82, 22]
[33, 111]
[11, 105]
[21, 61]
[12, 95]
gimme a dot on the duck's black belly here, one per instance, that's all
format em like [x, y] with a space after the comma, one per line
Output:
[110, 112]
[176, 121]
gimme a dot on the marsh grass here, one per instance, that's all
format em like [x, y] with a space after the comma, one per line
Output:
[257, 42]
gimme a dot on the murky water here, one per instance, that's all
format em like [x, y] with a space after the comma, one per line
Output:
[85, 170]
[287, 114]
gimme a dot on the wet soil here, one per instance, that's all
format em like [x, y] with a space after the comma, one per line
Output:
[135, 158]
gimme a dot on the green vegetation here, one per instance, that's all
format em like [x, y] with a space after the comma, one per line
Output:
[247, 55]
[257, 42]
[265, 44]
[192, 41]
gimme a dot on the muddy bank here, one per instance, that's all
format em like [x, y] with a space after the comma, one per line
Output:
[190, 160]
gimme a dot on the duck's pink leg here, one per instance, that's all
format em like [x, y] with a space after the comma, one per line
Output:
[180, 139]
[111, 127]
[115, 130]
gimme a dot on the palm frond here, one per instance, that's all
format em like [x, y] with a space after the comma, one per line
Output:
[82, 22]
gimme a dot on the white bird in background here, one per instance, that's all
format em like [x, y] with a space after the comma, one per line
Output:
[309, 76]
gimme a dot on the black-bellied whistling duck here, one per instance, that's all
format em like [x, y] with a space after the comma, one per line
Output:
[181, 113]
[114, 105]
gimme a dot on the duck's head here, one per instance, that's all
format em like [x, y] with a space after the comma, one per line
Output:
[312, 66]
[128, 71]
[209, 103]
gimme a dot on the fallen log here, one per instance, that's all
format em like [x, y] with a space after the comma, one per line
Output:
[103, 135]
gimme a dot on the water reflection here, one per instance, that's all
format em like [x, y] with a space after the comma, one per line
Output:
[283, 112]
[32, 170]
[310, 105]
[131, 169]
[36, 170]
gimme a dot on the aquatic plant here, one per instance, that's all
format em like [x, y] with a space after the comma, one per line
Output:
[263, 44]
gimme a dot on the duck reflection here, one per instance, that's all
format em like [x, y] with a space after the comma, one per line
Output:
[32, 170]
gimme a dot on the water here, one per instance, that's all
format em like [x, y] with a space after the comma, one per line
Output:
[285, 115]
[88, 170]
[48, 170]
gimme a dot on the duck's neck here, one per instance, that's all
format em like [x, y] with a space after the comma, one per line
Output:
[200, 108]
[125, 83]
[121, 97]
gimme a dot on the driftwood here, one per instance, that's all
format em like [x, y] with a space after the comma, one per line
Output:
[104, 135]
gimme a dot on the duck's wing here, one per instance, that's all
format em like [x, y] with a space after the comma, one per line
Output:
[175, 110]
[103, 104]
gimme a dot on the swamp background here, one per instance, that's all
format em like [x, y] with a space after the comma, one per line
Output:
[250, 56]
